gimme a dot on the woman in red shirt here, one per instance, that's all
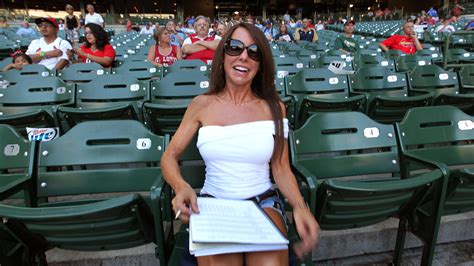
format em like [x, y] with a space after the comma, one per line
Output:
[163, 53]
[96, 48]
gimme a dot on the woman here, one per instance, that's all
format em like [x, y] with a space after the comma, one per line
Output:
[163, 53]
[72, 25]
[284, 35]
[3, 23]
[96, 48]
[241, 108]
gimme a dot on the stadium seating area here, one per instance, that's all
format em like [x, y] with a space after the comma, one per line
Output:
[390, 137]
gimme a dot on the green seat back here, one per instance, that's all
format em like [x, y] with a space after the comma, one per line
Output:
[376, 80]
[170, 98]
[435, 79]
[444, 134]
[289, 64]
[324, 61]
[141, 70]
[466, 78]
[83, 72]
[365, 60]
[407, 63]
[33, 70]
[186, 65]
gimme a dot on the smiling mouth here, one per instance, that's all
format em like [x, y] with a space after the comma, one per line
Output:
[241, 69]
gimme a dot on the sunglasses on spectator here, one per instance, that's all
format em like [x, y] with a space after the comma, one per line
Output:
[235, 47]
[45, 24]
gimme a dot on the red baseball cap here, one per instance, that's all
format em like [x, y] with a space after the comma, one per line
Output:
[49, 20]
[350, 22]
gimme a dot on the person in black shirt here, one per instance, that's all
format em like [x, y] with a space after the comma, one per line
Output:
[72, 25]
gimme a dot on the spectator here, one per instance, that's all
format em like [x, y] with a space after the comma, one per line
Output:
[457, 10]
[268, 31]
[61, 24]
[305, 33]
[286, 17]
[18, 61]
[417, 26]
[146, 29]
[163, 53]
[445, 26]
[470, 25]
[72, 25]
[191, 21]
[221, 29]
[82, 20]
[258, 24]
[250, 20]
[283, 34]
[176, 36]
[93, 17]
[407, 43]
[433, 13]
[320, 25]
[3, 23]
[346, 43]
[128, 25]
[26, 30]
[50, 50]
[96, 47]
[201, 45]
[430, 20]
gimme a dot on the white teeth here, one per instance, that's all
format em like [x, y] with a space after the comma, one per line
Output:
[241, 68]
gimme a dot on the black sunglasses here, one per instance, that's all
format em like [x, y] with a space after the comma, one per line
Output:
[235, 47]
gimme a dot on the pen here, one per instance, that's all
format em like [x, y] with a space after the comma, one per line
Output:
[178, 213]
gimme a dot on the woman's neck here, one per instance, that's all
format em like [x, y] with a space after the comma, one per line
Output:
[164, 45]
[237, 94]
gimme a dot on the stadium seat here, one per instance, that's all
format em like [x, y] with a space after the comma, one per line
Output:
[34, 70]
[374, 183]
[83, 72]
[408, 62]
[460, 56]
[443, 84]
[466, 79]
[16, 165]
[185, 65]
[170, 98]
[33, 101]
[324, 60]
[104, 98]
[141, 70]
[387, 94]
[320, 90]
[103, 222]
[444, 134]
[365, 60]
[288, 64]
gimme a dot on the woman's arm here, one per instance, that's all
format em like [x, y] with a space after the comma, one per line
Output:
[306, 225]
[179, 55]
[185, 199]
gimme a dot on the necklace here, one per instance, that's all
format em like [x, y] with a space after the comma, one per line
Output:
[162, 50]
[237, 104]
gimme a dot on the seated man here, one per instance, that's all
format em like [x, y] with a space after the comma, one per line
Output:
[346, 42]
[306, 33]
[26, 30]
[50, 51]
[407, 43]
[201, 45]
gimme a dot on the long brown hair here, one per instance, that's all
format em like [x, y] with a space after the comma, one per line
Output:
[263, 84]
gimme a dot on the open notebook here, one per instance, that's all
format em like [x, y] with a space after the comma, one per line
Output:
[231, 226]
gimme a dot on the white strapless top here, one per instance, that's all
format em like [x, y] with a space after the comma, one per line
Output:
[237, 158]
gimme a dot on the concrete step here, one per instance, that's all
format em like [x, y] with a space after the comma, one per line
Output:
[368, 245]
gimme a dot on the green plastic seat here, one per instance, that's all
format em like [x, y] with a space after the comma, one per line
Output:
[33, 101]
[320, 90]
[461, 56]
[141, 70]
[170, 98]
[16, 164]
[367, 60]
[466, 78]
[83, 72]
[393, 54]
[288, 64]
[33, 70]
[324, 61]
[443, 84]
[387, 93]
[361, 178]
[408, 62]
[186, 65]
[444, 134]
[104, 98]
[119, 156]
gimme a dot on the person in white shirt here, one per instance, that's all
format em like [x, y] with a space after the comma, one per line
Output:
[50, 50]
[93, 17]
[445, 26]
[147, 30]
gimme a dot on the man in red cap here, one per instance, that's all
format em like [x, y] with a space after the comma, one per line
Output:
[50, 50]
[407, 43]
[346, 43]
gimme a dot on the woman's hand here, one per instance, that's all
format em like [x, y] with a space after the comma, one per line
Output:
[17, 66]
[185, 202]
[79, 51]
[308, 230]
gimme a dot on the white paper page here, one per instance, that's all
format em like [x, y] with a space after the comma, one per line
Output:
[232, 221]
